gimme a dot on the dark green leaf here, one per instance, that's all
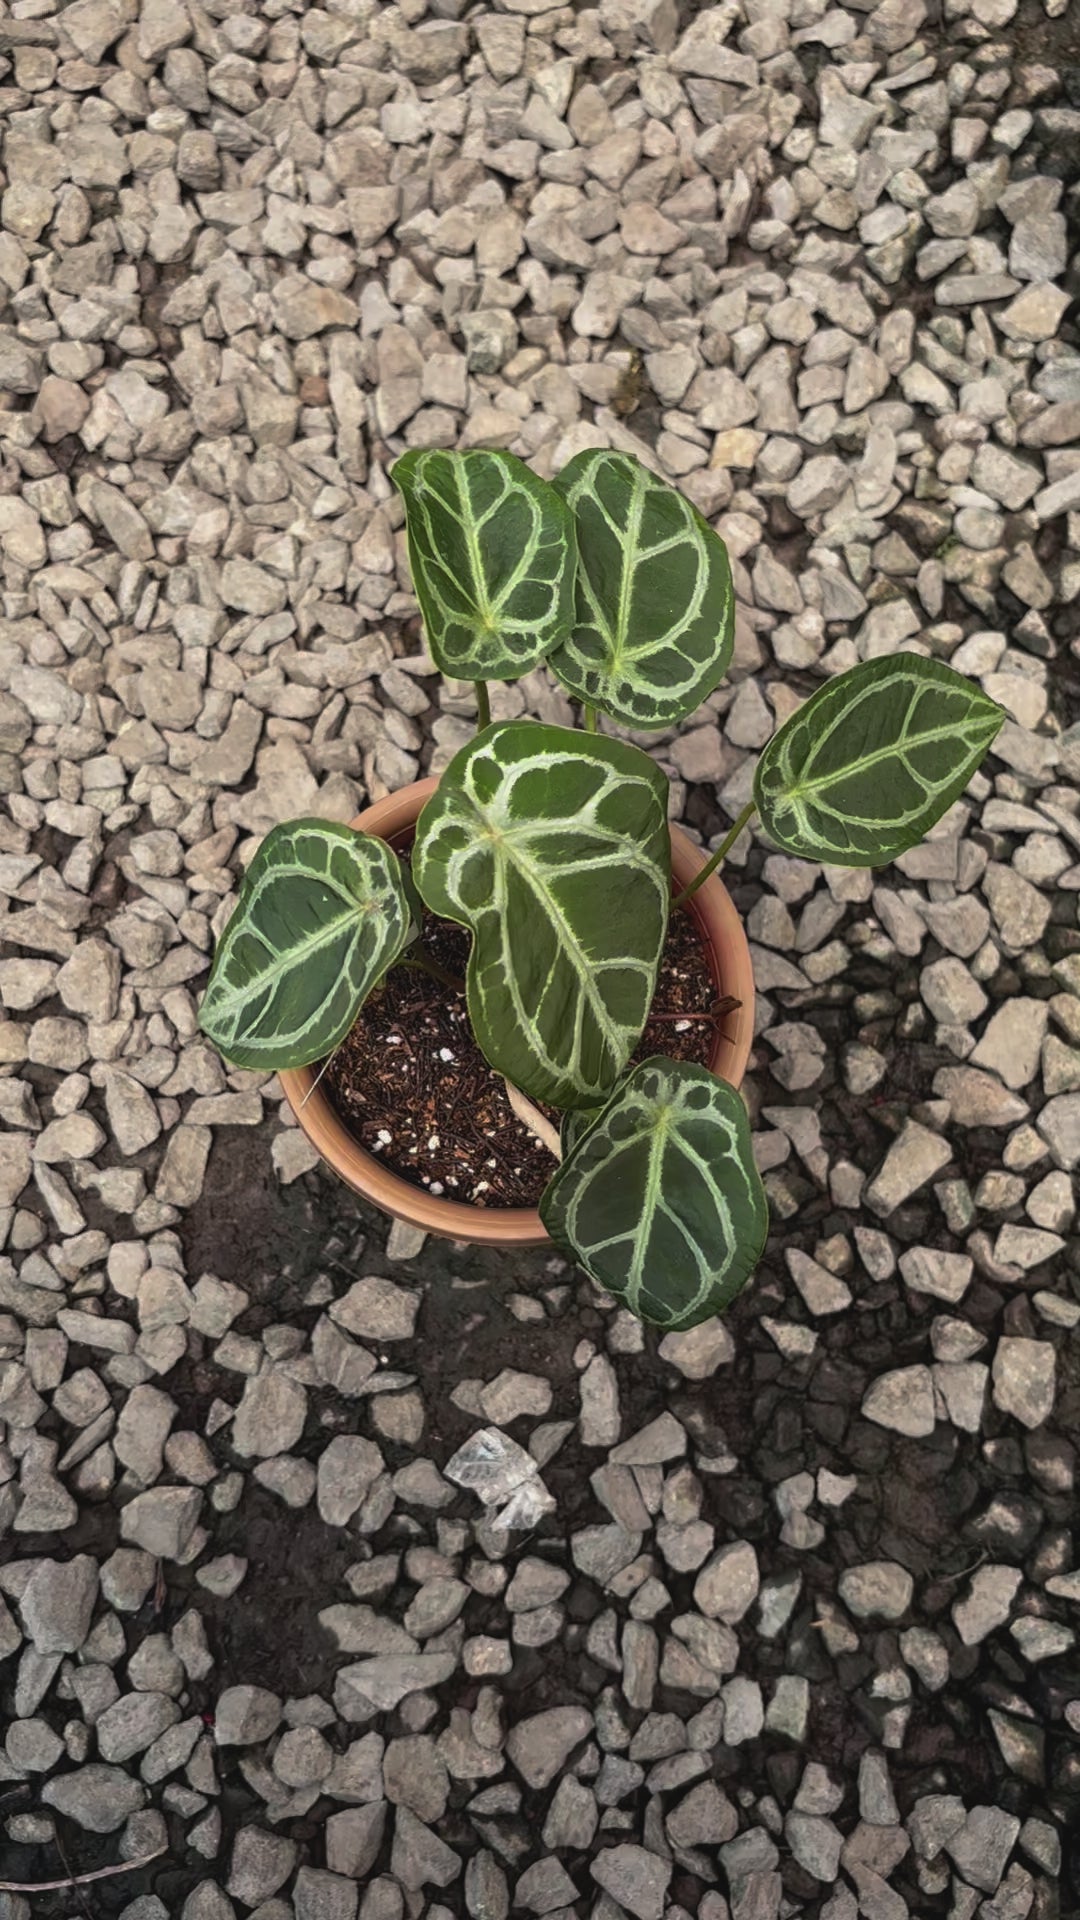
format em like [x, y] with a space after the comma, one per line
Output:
[655, 619]
[574, 1125]
[863, 770]
[322, 914]
[553, 847]
[660, 1199]
[491, 548]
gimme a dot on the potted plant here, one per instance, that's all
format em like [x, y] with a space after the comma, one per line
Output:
[545, 852]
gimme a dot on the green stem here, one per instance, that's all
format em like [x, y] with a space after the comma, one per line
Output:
[483, 705]
[590, 718]
[714, 860]
[418, 956]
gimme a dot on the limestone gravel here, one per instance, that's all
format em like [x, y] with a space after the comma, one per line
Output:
[813, 264]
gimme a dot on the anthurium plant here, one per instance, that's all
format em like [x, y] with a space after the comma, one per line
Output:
[550, 845]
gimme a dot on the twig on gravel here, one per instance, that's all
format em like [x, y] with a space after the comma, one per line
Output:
[532, 1118]
[78, 1879]
[947, 1578]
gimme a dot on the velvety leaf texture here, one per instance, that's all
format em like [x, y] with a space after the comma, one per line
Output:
[322, 914]
[863, 770]
[660, 1199]
[552, 846]
[654, 623]
[492, 553]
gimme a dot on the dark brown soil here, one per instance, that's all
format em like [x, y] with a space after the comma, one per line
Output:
[415, 1088]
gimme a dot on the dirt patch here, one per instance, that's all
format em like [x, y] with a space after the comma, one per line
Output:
[268, 1238]
[1041, 42]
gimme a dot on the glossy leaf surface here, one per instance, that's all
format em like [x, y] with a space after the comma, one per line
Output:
[492, 553]
[322, 914]
[552, 847]
[654, 622]
[874, 758]
[660, 1199]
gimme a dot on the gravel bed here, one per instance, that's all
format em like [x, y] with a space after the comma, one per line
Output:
[785, 1623]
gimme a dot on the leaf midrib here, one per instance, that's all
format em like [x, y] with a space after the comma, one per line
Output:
[295, 956]
[626, 582]
[472, 541]
[582, 966]
[868, 760]
[653, 1188]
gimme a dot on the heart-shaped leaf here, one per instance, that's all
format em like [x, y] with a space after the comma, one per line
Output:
[322, 914]
[655, 615]
[863, 770]
[552, 847]
[660, 1199]
[491, 548]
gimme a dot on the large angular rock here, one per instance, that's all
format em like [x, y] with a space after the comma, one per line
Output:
[261, 1863]
[987, 1604]
[96, 1797]
[877, 1590]
[380, 1684]
[727, 1588]
[303, 308]
[1024, 1374]
[910, 1163]
[377, 1309]
[245, 1716]
[162, 1520]
[57, 1603]
[271, 1415]
[902, 1400]
[540, 1745]
[636, 1879]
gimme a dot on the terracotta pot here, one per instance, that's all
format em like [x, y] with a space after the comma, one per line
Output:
[393, 819]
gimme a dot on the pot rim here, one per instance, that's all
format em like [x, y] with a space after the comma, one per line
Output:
[722, 935]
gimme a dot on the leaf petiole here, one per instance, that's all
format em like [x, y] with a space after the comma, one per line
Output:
[418, 956]
[483, 705]
[589, 717]
[714, 860]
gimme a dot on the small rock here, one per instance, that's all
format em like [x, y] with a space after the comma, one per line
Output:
[261, 1863]
[982, 1845]
[1012, 1042]
[512, 1395]
[636, 1879]
[977, 1099]
[540, 1745]
[348, 1468]
[1023, 1379]
[910, 1163]
[377, 1309]
[271, 1415]
[815, 1843]
[903, 1401]
[57, 1604]
[96, 1797]
[245, 1716]
[698, 1352]
[877, 1590]
[162, 1520]
[946, 1276]
[381, 1683]
[987, 1604]
[318, 1895]
[728, 1586]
